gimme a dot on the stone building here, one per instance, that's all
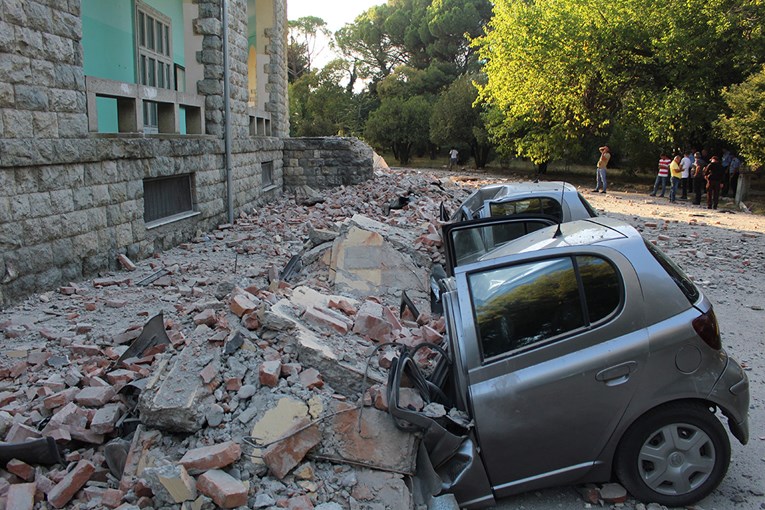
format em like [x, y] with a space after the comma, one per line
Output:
[128, 126]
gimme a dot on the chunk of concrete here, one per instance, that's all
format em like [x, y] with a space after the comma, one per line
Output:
[378, 444]
[175, 392]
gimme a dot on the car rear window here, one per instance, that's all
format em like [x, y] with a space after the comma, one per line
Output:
[524, 304]
[537, 205]
[590, 210]
[673, 270]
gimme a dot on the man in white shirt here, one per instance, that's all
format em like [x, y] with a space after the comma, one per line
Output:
[453, 157]
[686, 163]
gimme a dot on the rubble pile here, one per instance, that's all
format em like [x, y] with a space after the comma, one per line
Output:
[241, 369]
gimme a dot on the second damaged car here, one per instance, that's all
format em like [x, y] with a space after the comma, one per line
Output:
[574, 354]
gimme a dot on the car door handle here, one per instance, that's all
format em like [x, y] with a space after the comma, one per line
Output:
[616, 374]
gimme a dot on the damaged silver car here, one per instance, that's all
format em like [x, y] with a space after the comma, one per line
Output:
[576, 353]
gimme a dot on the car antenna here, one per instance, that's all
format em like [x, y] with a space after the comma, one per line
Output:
[558, 232]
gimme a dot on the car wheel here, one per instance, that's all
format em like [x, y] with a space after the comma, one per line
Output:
[674, 456]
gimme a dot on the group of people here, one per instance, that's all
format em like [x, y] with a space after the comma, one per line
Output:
[692, 171]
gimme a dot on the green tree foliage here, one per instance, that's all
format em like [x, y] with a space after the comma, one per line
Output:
[456, 122]
[302, 47]
[745, 124]
[320, 106]
[399, 124]
[650, 70]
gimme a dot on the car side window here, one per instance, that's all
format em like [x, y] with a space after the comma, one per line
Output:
[602, 288]
[521, 305]
[540, 205]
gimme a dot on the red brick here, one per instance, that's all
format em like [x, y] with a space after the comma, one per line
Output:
[125, 262]
[241, 305]
[21, 469]
[105, 418]
[112, 498]
[431, 335]
[65, 490]
[323, 318]
[206, 317]
[60, 399]
[21, 496]
[289, 369]
[299, 503]
[120, 377]
[93, 396]
[19, 433]
[85, 350]
[225, 490]
[209, 373]
[269, 372]
[342, 305]
[211, 457]
[282, 456]
[233, 383]
[371, 322]
[251, 321]
[311, 378]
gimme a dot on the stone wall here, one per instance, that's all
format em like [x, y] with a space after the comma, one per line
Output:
[70, 200]
[326, 162]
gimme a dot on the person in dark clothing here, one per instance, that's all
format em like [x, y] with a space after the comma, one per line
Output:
[714, 174]
[698, 178]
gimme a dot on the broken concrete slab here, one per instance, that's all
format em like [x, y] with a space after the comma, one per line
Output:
[378, 444]
[363, 263]
[377, 489]
[175, 393]
[170, 484]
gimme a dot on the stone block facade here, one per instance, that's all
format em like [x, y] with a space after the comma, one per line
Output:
[326, 162]
[72, 200]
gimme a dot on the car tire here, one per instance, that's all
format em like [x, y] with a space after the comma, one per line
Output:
[675, 455]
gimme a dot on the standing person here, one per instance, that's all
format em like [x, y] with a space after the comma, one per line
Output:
[453, 157]
[677, 175]
[600, 170]
[698, 179]
[714, 174]
[686, 163]
[735, 165]
[726, 159]
[661, 178]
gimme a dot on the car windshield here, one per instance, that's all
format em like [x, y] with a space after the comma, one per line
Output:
[681, 280]
[590, 210]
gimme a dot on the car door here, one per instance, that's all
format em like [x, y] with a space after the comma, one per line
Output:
[554, 347]
[466, 241]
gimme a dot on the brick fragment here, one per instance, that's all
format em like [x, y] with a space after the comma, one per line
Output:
[206, 317]
[311, 378]
[21, 469]
[225, 490]
[65, 490]
[211, 457]
[241, 305]
[286, 453]
[21, 496]
[105, 418]
[302, 502]
[125, 262]
[18, 433]
[95, 396]
[326, 318]
[269, 372]
[112, 498]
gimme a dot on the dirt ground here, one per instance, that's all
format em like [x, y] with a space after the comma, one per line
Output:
[723, 251]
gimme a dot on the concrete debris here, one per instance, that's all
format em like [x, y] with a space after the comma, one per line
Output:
[146, 386]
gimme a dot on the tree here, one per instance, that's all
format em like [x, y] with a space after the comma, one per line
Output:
[319, 105]
[456, 121]
[744, 126]
[302, 48]
[567, 70]
[400, 124]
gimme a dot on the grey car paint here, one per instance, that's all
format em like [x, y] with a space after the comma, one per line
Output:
[554, 413]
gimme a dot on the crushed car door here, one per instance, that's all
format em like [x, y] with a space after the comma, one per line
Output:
[552, 362]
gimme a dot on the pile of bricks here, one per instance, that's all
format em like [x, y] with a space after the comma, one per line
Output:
[240, 407]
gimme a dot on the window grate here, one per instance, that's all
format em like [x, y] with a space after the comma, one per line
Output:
[166, 196]
[267, 173]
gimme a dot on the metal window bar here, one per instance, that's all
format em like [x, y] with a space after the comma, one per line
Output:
[166, 196]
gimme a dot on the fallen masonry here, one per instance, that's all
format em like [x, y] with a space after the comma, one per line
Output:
[246, 390]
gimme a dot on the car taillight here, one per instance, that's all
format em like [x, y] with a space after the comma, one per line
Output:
[706, 327]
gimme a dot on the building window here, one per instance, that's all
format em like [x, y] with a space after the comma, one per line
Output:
[267, 173]
[155, 61]
[165, 197]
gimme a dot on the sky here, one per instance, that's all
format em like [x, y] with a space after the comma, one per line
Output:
[335, 12]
